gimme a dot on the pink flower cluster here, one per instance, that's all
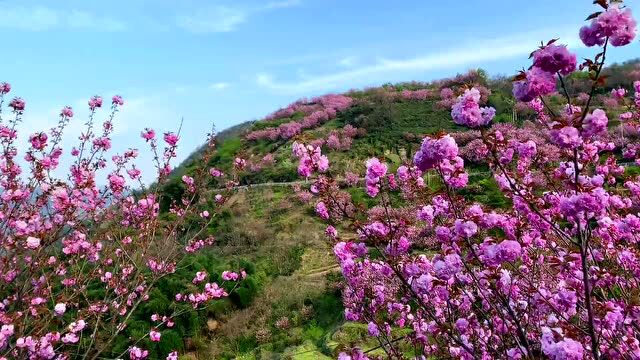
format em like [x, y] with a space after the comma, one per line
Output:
[376, 171]
[211, 291]
[419, 95]
[555, 59]
[342, 139]
[467, 111]
[311, 159]
[536, 83]
[615, 24]
[434, 150]
[324, 108]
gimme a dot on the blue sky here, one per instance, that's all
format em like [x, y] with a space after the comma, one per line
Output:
[232, 61]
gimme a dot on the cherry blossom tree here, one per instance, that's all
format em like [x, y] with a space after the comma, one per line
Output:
[80, 258]
[554, 275]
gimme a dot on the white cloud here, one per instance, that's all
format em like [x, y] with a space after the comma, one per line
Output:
[222, 19]
[477, 53]
[348, 61]
[282, 4]
[219, 86]
[40, 18]
[84, 20]
[218, 19]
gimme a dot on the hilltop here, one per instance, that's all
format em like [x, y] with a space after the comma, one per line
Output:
[388, 121]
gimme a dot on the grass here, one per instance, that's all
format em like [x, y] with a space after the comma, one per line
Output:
[289, 258]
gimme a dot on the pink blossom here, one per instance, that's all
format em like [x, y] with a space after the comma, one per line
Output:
[466, 228]
[60, 309]
[567, 137]
[555, 58]
[66, 111]
[566, 348]
[331, 232]
[95, 102]
[615, 23]
[17, 104]
[433, 151]
[70, 338]
[200, 276]
[321, 210]
[5, 88]
[33, 242]
[77, 326]
[239, 163]
[215, 172]
[148, 134]
[154, 335]
[537, 82]
[135, 353]
[376, 170]
[618, 93]
[170, 138]
[467, 111]
[595, 123]
[230, 276]
[116, 183]
[117, 100]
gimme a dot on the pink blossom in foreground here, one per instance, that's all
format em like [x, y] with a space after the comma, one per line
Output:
[433, 151]
[5, 88]
[117, 100]
[311, 159]
[95, 102]
[17, 104]
[170, 138]
[148, 134]
[530, 276]
[555, 59]
[66, 111]
[615, 23]
[376, 170]
[537, 82]
[87, 230]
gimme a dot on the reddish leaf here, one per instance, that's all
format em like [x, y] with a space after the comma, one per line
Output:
[602, 3]
[602, 80]
[594, 15]
[521, 76]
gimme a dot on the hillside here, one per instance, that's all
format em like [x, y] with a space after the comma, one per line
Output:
[291, 306]
[389, 120]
